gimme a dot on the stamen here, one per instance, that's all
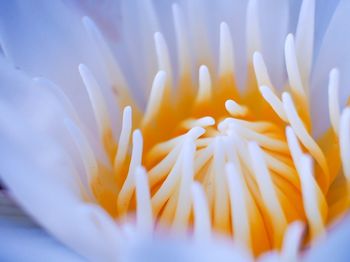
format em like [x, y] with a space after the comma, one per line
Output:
[262, 76]
[156, 97]
[293, 68]
[128, 186]
[313, 199]
[221, 205]
[159, 171]
[226, 55]
[202, 224]
[96, 99]
[239, 210]
[295, 81]
[274, 102]
[124, 137]
[202, 156]
[302, 133]
[183, 208]
[202, 122]
[204, 90]
[144, 215]
[292, 242]
[86, 153]
[262, 140]
[267, 190]
[235, 109]
[168, 186]
[281, 168]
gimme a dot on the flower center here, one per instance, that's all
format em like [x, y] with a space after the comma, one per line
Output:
[205, 158]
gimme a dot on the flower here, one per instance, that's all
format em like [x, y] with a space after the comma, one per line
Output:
[194, 132]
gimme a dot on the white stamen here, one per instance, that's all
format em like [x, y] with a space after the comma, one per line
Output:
[221, 205]
[260, 126]
[163, 57]
[304, 39]
[344, 141]
[195, 132]
[181, 39]
[267, 188]
[96, 98]
[302, 133]
[226, 56]
[165, 147]
[203, 142]
[202, 225]
[128, 186]
[293, 68]
[168, 186]
[183, 208]
[263, 140]
[239, 209]
[144, 215]
[281, 168]
[312, 197]
[235, 109]
[156, 96]
[202, 156]
[274, 102]
[253, 30]
[294, 146]
[333, 99]
[261, 73]
[124, 137]
[292, 242]
[204, 90]
[163, 167]
[202, 122]
[86, 153]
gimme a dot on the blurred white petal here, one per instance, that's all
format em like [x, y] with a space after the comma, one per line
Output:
[22, 240]
[46, 39]
[333, 53]
[45, 183]
[273, 32]
[335, 247]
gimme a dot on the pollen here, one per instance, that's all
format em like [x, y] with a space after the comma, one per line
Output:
[204, 157]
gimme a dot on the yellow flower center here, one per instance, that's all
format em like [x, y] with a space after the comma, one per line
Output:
[205, 157]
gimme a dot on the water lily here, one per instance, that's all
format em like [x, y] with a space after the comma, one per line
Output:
[195, 129]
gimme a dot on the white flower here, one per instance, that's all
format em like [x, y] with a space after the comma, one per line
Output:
[197, 121]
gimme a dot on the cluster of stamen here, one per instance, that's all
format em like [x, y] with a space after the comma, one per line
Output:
[209, 159]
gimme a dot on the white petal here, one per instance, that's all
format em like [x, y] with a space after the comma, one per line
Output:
[22, 240]
[39, 173]
[334, 53]
[48, 40]
[335, 246]
[274, 18]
